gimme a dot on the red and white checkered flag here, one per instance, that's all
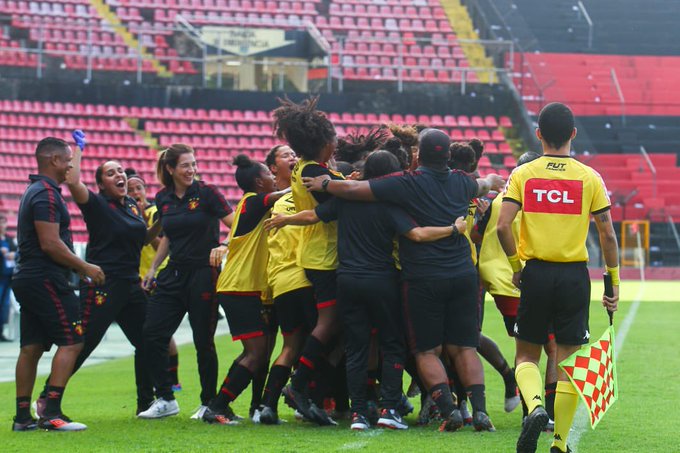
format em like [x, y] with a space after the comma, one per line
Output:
[592, 371]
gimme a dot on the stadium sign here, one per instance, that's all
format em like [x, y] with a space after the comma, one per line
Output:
[245, 41]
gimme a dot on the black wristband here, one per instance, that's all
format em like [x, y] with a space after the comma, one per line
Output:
[455, 230]
[324, 184]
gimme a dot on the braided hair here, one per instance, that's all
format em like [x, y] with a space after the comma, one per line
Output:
[353, 148]
[306, 129]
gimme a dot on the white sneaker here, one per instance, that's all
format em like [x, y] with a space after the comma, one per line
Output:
[198, 415]
[160, 408]
[511, 403]
[256, 416]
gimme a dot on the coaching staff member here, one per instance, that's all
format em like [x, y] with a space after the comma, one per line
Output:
[49, 307]
[556, 194]
[440, 282]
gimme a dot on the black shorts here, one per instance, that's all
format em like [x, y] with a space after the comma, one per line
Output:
[554, 295]
[296, 311]
[443, 311]
[325, 287]
[50, 311]
[244, 315]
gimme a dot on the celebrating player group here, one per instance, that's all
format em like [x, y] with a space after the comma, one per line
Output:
[369, 253]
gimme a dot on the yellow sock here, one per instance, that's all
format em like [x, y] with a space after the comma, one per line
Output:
[529, 381]
[566, 402]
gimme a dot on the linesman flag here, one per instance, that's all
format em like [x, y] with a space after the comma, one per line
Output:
[592, 371]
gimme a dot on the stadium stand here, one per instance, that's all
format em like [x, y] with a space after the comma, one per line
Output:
[371, 41]
[131, 134]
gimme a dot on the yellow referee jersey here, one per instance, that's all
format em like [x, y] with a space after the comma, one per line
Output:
[246, 267]
[318, 248]
[557, 195]
[284, 273]
[494, 267]
[148, 252]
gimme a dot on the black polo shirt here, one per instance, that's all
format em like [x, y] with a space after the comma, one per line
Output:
[432, 198]
[41, 202]
[117, 232]
[366, 233]
[192, 223]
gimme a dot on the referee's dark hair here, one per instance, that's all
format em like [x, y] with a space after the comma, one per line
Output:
[169, 157]
[47, 147]
[247, 171]
[556, 124]
[380, 163]
[306, 129]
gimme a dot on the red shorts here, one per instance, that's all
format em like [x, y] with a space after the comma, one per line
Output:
[507, 305]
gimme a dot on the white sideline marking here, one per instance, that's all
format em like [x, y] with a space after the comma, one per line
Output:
[581, 423]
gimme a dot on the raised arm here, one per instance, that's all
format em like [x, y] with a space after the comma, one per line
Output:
[78, 190]
[431, 233]
[349, 190]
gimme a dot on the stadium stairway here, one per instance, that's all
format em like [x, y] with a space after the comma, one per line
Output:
[117, 25]
[462, 25]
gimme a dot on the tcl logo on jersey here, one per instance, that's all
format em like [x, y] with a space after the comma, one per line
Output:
[553, 197]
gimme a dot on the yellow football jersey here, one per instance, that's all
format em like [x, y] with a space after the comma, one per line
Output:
[148, 252]
[494, 267]
[284, 273]
[246, 267]
[318, 245]
[557, 195]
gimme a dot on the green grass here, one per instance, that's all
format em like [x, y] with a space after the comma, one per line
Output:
[644, 419]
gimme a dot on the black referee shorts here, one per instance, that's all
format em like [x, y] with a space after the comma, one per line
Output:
[50, 311]
[554, 295]
[442, 311]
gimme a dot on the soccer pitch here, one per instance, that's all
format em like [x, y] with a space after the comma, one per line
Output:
[644, 419]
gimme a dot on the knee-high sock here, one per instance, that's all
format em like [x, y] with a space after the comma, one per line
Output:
[530, 384]
[566, 402]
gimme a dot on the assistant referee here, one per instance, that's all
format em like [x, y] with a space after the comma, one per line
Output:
[557, 195]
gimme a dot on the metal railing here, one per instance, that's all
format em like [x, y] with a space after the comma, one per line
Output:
[217, 68]
[586, 16]
[652, 169]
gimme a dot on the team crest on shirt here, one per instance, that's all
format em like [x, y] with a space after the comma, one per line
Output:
[134, 210]
[100, 297]
[193, 203]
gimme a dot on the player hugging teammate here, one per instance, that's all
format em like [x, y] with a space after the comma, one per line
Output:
[365, 276]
